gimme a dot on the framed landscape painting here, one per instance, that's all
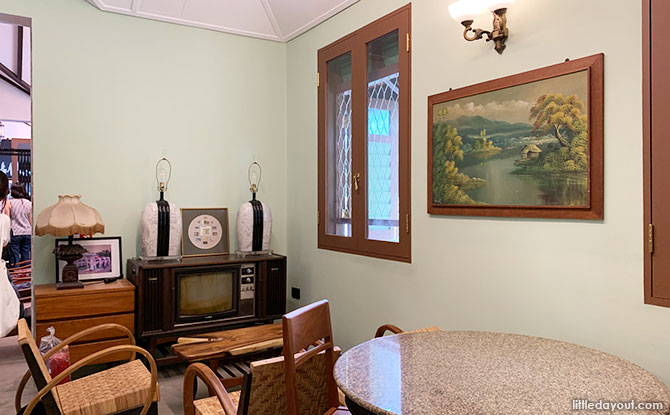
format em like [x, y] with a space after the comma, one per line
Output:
[527, 145]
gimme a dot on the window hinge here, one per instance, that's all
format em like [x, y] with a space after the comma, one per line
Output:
[318, 79]
[651, 238]
[318, 218]
[407, 42]
[407, 222]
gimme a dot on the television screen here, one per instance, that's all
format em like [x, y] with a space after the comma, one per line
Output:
[205, 293]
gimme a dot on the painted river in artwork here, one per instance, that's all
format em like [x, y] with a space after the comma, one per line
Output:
[505, 188]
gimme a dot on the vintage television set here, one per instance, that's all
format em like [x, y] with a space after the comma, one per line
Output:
[206, 294]
[214, 293]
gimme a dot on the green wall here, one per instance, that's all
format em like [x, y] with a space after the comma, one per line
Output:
[580, 281]
[113, 94]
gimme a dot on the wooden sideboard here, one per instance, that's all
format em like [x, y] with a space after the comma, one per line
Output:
[73, 310]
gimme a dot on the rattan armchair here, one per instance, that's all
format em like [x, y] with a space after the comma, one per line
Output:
[263, 389]
[125, 389]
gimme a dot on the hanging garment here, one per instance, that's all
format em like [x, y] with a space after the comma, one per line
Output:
[9, 301]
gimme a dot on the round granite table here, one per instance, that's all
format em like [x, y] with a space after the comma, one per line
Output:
[482, 373]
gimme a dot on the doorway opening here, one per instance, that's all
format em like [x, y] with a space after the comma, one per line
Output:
[16, 154]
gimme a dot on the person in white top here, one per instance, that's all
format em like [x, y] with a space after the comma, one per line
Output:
[21, 215]
[9, 301]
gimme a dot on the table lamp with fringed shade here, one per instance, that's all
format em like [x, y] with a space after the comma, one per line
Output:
[68, 217]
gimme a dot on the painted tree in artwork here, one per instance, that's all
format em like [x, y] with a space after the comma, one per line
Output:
[483, 148]
[448, 182]
[559, 115]
[564, 118]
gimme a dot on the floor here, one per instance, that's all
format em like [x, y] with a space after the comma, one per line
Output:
[13, 366]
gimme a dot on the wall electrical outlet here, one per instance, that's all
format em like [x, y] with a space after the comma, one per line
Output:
[295, 293]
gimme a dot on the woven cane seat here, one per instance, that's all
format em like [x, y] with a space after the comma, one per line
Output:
[211, 405]
[117, 389]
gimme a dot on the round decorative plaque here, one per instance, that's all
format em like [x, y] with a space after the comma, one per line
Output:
[205, 231]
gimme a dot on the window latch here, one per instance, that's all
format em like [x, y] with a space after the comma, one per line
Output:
[357, 178]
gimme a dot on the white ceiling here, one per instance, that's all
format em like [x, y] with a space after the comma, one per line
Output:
[279, 20]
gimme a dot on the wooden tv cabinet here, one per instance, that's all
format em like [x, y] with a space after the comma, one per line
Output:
[156, 320]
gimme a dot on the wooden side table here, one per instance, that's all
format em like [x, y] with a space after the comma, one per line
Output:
[232, 350]
[73, 310]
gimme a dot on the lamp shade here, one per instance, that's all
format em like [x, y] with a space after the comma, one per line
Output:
[68, 217]
[494, 5]
[464, 10]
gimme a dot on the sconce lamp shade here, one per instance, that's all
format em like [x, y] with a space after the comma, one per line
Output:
[494, 5]
[466, 10]
[68, 217]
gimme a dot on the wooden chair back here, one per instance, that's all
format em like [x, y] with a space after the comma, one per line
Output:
[267, 388]
[37, 366]
[302, 328]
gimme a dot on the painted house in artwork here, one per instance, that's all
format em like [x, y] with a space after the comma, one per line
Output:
[530, 152]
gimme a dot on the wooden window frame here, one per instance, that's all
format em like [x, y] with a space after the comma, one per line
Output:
[356, 43]
[650, 245]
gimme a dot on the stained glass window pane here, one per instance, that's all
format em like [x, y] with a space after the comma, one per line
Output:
[338, 151]
[382, 139]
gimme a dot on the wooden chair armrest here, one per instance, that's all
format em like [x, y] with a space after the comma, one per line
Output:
[92, 359]
[19, 391]
[213, 383]
[315, 344]
[388, 327]
[304, 356]
[89, 331]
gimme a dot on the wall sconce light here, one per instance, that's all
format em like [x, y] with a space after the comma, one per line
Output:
[464, 12]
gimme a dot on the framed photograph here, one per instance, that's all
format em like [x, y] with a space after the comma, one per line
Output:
[205, 232]
[527, 145]
[103, 259]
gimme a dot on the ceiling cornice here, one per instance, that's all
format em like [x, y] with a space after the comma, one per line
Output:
[272, 18]
[279, 35]
[320, 19]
